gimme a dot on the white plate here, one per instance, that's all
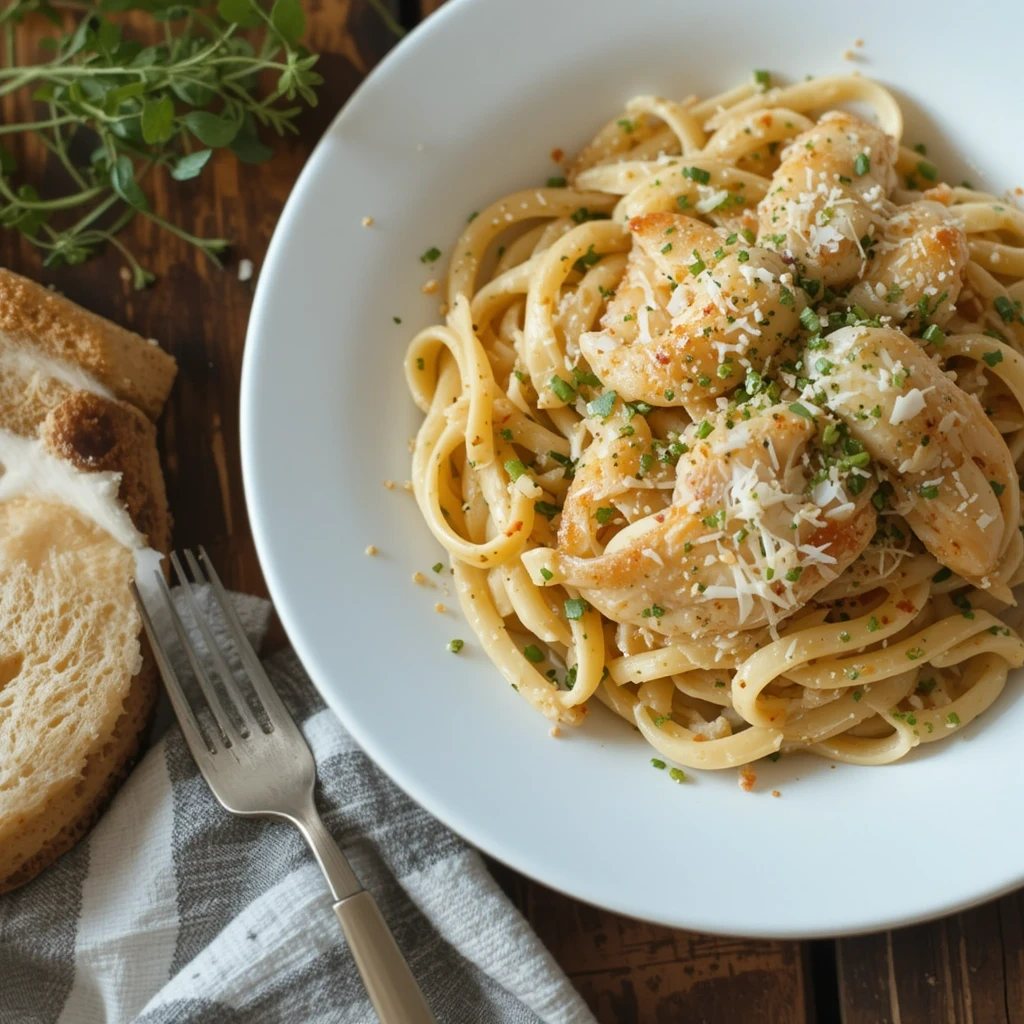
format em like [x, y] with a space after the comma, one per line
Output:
[466, 109]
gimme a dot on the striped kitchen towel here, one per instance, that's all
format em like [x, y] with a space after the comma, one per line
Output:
[173, 910]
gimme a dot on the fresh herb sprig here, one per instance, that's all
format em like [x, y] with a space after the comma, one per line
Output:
[114, 111]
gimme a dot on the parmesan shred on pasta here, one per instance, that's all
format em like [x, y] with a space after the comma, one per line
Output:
[720, 439]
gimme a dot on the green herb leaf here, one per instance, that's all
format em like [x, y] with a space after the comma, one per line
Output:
[210, 129]
[242, 12]
[122, 180]
[697, 174]
[602, 405]
[575, 607]
[1005, 308]
[158, 119]
[546, 509]
[288, 17]
[189, 166]
[562, 389]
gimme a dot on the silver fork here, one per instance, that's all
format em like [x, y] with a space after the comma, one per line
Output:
[258, 773]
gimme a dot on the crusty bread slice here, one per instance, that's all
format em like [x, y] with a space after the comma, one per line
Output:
[41, 327]
[76, 684]
[74, 696]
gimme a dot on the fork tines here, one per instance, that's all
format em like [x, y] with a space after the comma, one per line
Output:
[232, 714]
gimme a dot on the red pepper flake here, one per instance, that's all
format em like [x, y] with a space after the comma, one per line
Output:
[905, 606]
[514, 528]
[557, 155]
[663, 358]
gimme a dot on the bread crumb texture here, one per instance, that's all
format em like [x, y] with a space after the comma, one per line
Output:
[72, 699]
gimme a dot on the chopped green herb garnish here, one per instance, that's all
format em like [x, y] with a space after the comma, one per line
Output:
[547, 574]
[810, 320]
[993, 358]
[862, 164]
[657, 763]
[698, 265]
[795, 573]
[704, 430]
[602, 405]
[575, 607]
[456, 645]
[927, 170]
[437, 566]
[654, 612]
[801, 410]
[697, 174]
[1005, 309]
[604, 515]
[677, 775]
[585, 377]
[928, 491]
[942, 575]
[431, 255]
[556, 182]
[562, 388]
[533, 653]
[588, 259]
[934, 335]
[546, 509]
[763, 79]
[514, 468]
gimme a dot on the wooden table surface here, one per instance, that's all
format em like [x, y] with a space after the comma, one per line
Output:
[966, 968]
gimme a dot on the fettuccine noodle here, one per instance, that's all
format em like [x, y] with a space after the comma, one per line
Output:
[725, 430]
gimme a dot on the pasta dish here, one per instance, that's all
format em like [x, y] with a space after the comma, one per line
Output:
[723, 429]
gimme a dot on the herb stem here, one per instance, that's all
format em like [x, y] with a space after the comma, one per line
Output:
[37, 126]
[64, 203]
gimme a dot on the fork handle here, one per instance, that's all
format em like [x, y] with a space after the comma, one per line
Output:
[389, 983]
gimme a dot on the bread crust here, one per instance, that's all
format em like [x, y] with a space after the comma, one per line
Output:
[137, 371]
[94, 434]
[66, 821]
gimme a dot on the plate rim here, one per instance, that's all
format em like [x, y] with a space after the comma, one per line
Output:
[304, 646]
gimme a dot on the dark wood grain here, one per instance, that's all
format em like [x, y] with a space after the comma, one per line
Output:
[964, 969]
[630, 971]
